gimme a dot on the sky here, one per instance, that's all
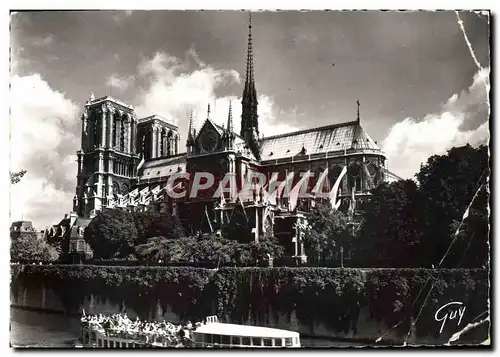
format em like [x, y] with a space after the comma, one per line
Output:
[421, 91]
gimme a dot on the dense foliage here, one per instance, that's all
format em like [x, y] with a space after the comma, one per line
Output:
[448, 184]
[391, 231]
[139, 288]
[114, 233]
[111, 234]
[29, 248]
[150, 225]
[208, 248]
[333, 297]
[325, 234]
[15, 177]
[413, 225]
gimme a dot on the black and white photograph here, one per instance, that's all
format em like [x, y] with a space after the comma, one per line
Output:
[255, 178]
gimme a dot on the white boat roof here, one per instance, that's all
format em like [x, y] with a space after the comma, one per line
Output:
[217, 328]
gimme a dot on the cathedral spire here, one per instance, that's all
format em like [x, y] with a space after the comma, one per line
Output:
[190, 137]
[249, 91]
[249, 118]
[230, 119]
[357, 118]
[190, 128]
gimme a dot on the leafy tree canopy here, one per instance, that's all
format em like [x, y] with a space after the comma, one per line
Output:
[150, 225]
[30, 249]
[15, 177]
[413, 224]
[391, 231]
[448, 183]
[325, 233]
[111, 234]
[208, 248]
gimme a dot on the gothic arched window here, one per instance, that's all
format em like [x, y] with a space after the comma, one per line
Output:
[97, 130]
[372, 171]
[125, 189]
[176, 141]
[122, 133]
[333, 175]
[162, 142]
[354, 175]
[116, 130]
[169, 143]
[116, 189]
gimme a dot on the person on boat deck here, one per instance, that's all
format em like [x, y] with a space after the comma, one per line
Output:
[162, 332]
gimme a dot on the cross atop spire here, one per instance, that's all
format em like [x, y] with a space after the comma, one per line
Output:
[208, 111]
[230, 119]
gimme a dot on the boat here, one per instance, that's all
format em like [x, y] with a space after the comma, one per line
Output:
[209, 334]
[214, 334]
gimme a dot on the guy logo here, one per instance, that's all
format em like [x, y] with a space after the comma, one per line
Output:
[455, 309]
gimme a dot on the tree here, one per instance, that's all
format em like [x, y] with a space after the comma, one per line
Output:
[470, 248]
[391, 231]
[267, 247]
[410, 225]
[326, 231]
[29, 249]
[15, 177]
[207, 248]
[111, 234]
[447, 185]
[160, 248]
[166, 225]
[150, 225]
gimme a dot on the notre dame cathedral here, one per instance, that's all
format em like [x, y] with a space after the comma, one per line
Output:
[126, 162]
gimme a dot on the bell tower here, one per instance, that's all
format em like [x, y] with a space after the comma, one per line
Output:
[107, 160]
[158, 137]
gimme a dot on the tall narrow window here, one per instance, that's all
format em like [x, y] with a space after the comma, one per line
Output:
[169, 143]
[122, 135]
[115, 131]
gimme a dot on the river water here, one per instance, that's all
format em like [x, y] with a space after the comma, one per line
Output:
[39, 329]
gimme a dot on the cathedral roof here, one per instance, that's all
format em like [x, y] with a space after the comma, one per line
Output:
[22, 225]
[93, 101]
[163, 167]
[80, 222]
[156, 117]
[337, 137]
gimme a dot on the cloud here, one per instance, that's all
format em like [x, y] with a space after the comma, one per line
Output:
[462, 120]
[174, 89]
[121, 83]
[43, 126]
[268, 113]
[194, 55]
[122, 15]
[42, 41]
[161, 67]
